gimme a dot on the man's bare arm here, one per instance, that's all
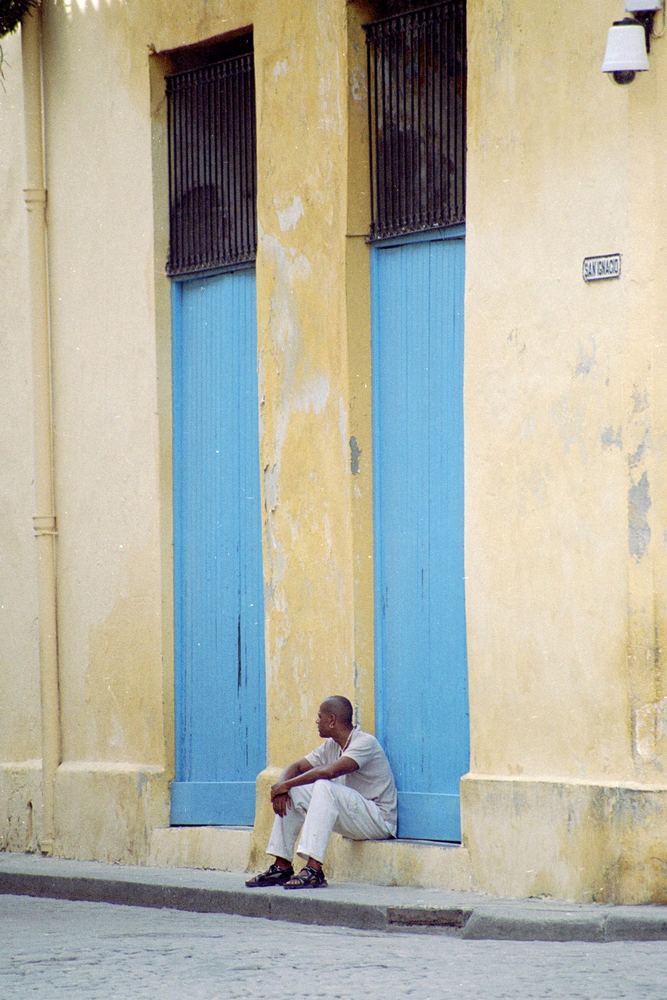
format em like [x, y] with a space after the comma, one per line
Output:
[344, 765]
[281, 803]
[298, 767]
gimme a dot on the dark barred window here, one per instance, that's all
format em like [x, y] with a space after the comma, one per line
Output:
[417, 119]
[212, 166]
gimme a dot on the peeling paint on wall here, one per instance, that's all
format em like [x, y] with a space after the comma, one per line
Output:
[270, 488]
[358, 85]
[638, 454]
[313, 395]
[355, 454]
[611, 438]
[586, 361]
[639, 400]
[639, 504]
[289, 216]
[273, 595]
[650, 728]
[569, 422]
[330, 105]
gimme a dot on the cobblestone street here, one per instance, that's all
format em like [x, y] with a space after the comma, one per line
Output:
[88, 951]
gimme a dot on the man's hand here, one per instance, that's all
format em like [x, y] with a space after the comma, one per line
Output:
[280, 799]
[281, 804]
[302, 773]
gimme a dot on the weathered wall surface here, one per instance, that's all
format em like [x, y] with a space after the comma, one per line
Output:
[107, 213]
[97, 137]
[565, 431]
[305, 430]
[304, 424]
[20, 735]
[564, 440]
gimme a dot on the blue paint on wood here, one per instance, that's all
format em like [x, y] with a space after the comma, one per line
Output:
[218, 578]
[213, 803]
[418, 484]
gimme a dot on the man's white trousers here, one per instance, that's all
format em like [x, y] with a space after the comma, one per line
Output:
[316, 811]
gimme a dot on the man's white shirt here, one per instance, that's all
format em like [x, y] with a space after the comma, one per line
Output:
[373, 779]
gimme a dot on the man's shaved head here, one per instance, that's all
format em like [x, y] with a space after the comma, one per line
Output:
[339, 706]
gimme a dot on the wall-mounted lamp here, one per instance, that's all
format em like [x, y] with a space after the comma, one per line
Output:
[629, 41]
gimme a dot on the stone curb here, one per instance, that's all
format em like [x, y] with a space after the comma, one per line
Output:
[269, 904]
[272, 904]
[511, 920]
[491, 922]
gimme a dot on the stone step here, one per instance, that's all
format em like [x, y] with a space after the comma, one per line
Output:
[381, 862]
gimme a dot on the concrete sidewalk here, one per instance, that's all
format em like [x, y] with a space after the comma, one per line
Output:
[344, 904]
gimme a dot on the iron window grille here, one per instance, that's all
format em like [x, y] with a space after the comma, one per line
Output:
[417, 119]
[212, 166]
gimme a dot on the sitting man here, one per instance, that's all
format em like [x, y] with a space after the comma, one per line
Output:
[344, 785]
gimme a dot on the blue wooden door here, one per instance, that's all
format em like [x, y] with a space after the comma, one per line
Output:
[218, 620]
[418, 482]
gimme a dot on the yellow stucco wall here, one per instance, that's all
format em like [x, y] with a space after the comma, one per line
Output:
[20, 734]
[304, 424]
[565, 431]
[564, 434]
[104, 135]
[303, 256]
[97, 136]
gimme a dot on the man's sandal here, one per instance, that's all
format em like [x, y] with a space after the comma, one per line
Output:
[308, 878]
[272, 876]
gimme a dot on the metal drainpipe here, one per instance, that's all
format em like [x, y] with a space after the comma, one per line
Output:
[44, 521]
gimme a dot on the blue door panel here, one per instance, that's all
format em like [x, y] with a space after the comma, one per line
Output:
[218, 580]
[418, 448]
[429, 816]
[213, 803]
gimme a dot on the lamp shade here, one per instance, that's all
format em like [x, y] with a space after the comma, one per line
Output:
[626, 48]
[643, 5]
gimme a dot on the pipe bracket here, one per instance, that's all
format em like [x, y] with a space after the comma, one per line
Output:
[44, 524]
[33, 196]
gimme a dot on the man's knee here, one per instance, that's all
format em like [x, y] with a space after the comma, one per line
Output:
[300, 795]
[323, 788]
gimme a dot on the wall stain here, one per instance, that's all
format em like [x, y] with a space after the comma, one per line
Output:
[355, 454]
[639, 504]
[290, 215]
[270, 488]
[118, 687]
[611, 438]
[639, 400]
[586, 361]
[650, 729]
[638, 454]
